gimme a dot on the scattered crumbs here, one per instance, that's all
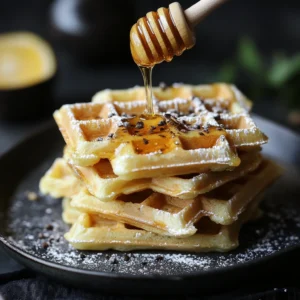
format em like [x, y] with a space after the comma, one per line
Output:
[126, 257]
[49, 227]
[32, 196]
[139, 125]
[45, 245]
[114, 261]
[159, 258]
[162, 123]
[99, 139]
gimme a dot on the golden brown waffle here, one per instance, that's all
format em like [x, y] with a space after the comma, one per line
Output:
[60, 181]
[218, 97]
[225, 105]
[171, 216]
[141, 147]
[102, 182]
[91, 232]
[70, 214]
[188, 138]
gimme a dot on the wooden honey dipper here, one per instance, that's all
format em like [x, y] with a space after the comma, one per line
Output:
[163, 34]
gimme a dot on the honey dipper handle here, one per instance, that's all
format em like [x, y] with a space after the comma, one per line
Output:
[196, 13]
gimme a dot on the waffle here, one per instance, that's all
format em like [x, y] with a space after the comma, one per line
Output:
[101, 181]
[142, 147]
[70, 214]
[225, 104]
[91, 232]
[171, 216]
[225, 95]
[59, 181]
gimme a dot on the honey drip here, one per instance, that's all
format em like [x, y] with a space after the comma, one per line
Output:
[147, 76]
[156, 38]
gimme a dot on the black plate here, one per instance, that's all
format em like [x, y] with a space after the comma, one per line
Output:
[21, 222]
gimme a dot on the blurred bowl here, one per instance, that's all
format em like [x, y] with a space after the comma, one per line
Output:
[27, 73]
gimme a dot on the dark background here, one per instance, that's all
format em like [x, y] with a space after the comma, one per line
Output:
[274, 25]
[237, 43]
[269, 28]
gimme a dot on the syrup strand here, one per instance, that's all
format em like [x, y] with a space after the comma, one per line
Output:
[147, 76]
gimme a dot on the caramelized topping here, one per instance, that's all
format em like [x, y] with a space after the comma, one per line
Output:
[163, 133]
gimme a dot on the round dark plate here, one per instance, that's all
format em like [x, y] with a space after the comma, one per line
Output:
[25, 232]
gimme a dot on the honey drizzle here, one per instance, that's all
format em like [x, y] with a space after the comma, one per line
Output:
[146, 32]
[147, 76]
[143, 27]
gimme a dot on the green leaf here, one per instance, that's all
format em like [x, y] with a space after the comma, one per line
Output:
[249, 57]
[228, 72]
[283, 69]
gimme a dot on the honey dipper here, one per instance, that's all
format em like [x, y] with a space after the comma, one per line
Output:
[168, 32]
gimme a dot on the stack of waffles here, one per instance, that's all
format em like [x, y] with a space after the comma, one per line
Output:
[186, 178]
